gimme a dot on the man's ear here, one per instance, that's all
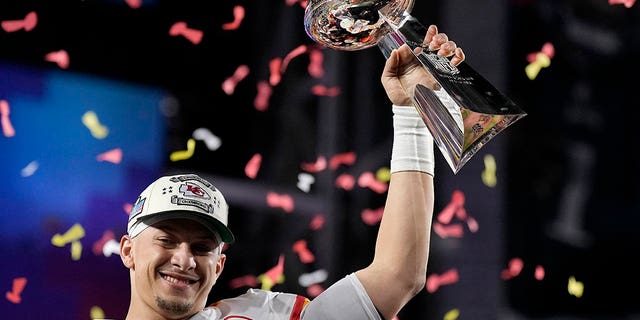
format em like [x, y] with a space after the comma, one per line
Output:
[220, 265]
[126, 254]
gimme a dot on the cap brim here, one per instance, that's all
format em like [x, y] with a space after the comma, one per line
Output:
[212, 224]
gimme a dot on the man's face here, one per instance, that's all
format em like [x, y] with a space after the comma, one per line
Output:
[174, 265]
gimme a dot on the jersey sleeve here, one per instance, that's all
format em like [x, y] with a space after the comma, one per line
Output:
[257, 304]
[345, 299]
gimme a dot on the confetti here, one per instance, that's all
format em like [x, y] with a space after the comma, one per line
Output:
[435, 281]
[76, 250]
[368, 180]
[448, 231]
[30, 169]
[301, 49]
[317, 222]
[74, 233]
[98, 245]
[184, 154]
[113, 156]
[627, 3]
[96, 313]
[274, 71]
[489, 173]
[315, 277]
[229, 84]
[283, 201]
[452, 314]
[7, 127]
[273, 275]
[60, 57]
[542, 61]
[575, 288]
[238, 16]
[515, 267]
[261, 102]
[348, 158]
[16, 290]
[90, 120]
[321, 90]
[383, 174]
[304, 254]
[372, 216]
[28, 23]
[212, 141]
[315, 69]
[539, 273]
[244, 281]
[253, 166]
[345, 181]
[319, 165]
[305, 181]
[314, 290]
[181, 29]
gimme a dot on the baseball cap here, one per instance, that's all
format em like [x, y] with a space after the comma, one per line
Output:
[181, 196]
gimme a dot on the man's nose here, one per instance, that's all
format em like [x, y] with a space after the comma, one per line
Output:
[183, 257]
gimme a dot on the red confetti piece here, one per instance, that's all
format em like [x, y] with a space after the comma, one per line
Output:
[244, 281]
[181, 29]
[98, 245]
[113, 156]
[372, 216]
[304, 254]
[457, 202]
[314, 290]
[627, 3]
[238, 16]
[316, 58]
[127, 207]
[294, 53]
[319, 165]
[283, 201]
[539, 273]
[368, 180]
[7, 127]
[317, 222]
[60, 57]
[276, 272]
[134, 4]
[253, 166]
[345, 181]
[274, 69]
[18, 287]
[515, 267]
[448, 231]
[435, 281]
[348, 158]
[229, 85]
[28, 23]
[321, 90]
[261, 102]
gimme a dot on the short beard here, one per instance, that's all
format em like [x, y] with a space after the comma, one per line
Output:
[173, 307]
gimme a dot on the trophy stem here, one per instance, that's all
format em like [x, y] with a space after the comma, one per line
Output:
[466, 112]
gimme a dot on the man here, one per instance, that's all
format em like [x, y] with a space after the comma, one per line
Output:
[178, 226]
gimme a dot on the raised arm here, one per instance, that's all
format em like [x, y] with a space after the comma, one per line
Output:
[398, 270]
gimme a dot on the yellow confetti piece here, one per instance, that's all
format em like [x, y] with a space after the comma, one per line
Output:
[383, 174]
[76, 250]
[489, 173]
[575, 288]
[96, 313]
[267, 283]
[452, 314]
[542, 61]
[90, 120]
[184, 154]
[74, 233]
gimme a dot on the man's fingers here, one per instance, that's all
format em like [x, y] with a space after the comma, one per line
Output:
[447, 49]
[431, 32]
[458, 57]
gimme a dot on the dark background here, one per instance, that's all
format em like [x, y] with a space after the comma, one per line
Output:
[567, 193]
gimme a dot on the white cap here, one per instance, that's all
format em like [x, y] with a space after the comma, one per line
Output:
[181, 196]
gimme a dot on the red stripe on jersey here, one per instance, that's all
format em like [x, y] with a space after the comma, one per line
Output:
[298, 306]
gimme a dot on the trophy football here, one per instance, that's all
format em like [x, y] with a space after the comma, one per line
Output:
[465, 114]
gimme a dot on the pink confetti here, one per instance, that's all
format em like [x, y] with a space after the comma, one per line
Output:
[253, 166]
[539, 273]
[274, 71]
[18, 287]
[276, 272]
[448, 231]
[547, 49]
[30, 21]
[627, 3]
[113, 156]
[305, 255]
[372, 216]
[316, 58]
[134, 4]
[238, 16]
[345, 181]
[472, 224]
[319, 165]
[244, 281]
[60, 57]
[320, 90]
[435, 281]
[317, 222]
[127, 207]
[515, 267]
[294, 53]
[283, 201]
[314, 290]
[261, 102]
[98, 245]
[229, 85]
[7, 127]
[368, 180]
[348, 158]
[180, 29]
[457, 202]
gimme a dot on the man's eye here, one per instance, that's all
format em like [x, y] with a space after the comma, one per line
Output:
[202, 248]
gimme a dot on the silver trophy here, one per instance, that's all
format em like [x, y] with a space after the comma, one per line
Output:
[462, 116]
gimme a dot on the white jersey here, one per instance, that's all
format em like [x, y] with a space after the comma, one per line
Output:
[346, 299]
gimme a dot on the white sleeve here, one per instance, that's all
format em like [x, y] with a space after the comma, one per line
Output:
[345, 299]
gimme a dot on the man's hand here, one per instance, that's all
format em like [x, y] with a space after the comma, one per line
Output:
[403, 71]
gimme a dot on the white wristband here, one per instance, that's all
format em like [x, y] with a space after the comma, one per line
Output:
[412, 142]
